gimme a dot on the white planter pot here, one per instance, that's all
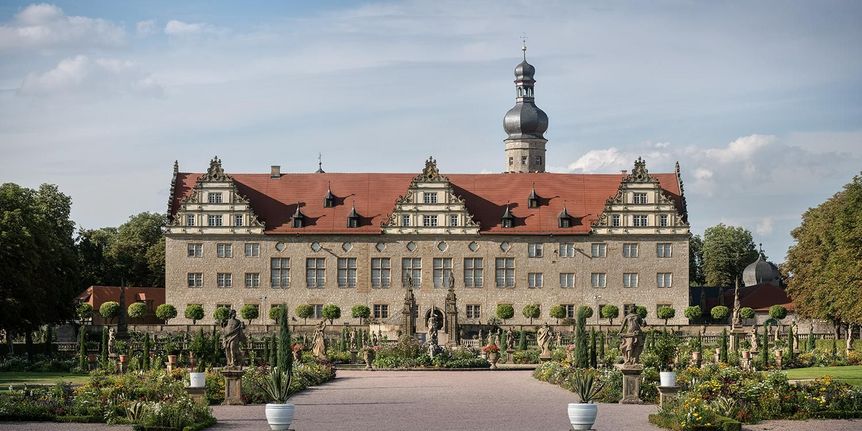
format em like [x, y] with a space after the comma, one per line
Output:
[279, 416]
[667, 379]
[582, 415]
[197, 380]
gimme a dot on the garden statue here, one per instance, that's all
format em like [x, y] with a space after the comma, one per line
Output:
[736, 320]
[510, 339]
[810, 327]
[408, 326]
[351, 340]
[318, 345]
[543, 337]
[433, 347]
[481, 339]
[753, 338]
[374, 339]
[849, 344]
[559, 339]
[233, 337]
[452, 314]
[632, 338]
[112, 342]
[795, 327]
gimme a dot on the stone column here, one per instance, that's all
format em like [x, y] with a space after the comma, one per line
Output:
[232, 387]
[631, 383]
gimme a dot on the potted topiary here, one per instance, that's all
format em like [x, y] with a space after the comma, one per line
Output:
[279, 412]
[665, 346]
[585, 383]
[493, 353]
[198, 348]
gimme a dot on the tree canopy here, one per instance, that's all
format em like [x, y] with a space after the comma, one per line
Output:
[823, 270]
[727, 250]
[532, 311]
[696, 276]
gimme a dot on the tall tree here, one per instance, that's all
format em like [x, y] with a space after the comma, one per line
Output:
[96, 268]
[727, 250]
[136, 250]
[696, 276]
[38, 264]
[823, 269]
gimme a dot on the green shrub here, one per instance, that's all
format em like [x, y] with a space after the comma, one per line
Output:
[166, 312]
[221, 313]
[137, 310]
[249, 312]
[719, 312]
[505, 311]
[109, 310]
[693, 312]
[532, 311]
[331, 312]
[610, 312]
[194, 312]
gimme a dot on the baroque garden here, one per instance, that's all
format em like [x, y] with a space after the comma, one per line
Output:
[277, 282]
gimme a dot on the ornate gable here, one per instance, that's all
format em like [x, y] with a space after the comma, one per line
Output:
[430, 206]
[641, 206]
[215, 206]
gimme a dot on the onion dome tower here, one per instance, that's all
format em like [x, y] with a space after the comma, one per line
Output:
[525, 124]
[760, 271]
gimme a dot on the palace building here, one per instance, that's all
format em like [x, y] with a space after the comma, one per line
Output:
[524, 236]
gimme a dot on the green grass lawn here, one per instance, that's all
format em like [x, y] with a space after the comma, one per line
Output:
[17, 378]
[851, 374]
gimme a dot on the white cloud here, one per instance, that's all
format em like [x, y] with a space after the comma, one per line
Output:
[180, 28]
[702, 174]
[80, 74]
[741, 149]
[146, 28]
[764, 226]
[601, 161]
[46, 26]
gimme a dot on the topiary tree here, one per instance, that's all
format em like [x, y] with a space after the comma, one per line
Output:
[146, 362]
[274, 312]
[221, 313]
[103, 348]
[746, 313]
[304, 311]
[285, 355]
[331, 312]
[84, 311]
[532, 311]
[194, 312]
[777, 312]
[764, 348]
[610, 312]
[582, 359]
[665, 313]
[594, 355]
[588, 311]
[166, 312]
[641, 311]
[693, 312]
[522, 342]
[722, 353]
[505, 311]
[109, 310]
[249, 312]
[360, 312]
[557, 312]
[719, 312]
[137, 310]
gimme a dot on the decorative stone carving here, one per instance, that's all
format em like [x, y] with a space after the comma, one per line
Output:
[543, 337]
[318, 345]
[233, 335]
[631, 338]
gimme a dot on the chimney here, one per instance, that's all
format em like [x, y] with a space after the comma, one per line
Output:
[275, 171]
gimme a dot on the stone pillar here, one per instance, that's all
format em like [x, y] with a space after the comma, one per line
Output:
[631, 383]
[666, 394]
[232, 387]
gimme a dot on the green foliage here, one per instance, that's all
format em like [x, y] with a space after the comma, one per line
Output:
[109, 310]
[166, 312]
[764, 348]
[696, 277]
[505, 311]
[746, 313]
[221, 313]
[277, 386]
[666, 313]
[137, 310]
[582, 359]
[693, 312]
[249, 312]
[103, 346]
[777, 312]
[610, 312]
[664, 346]
[719, 312]
[722, 353]
[275, 311]
[360, 311]
[194, 312]
[593, 353]
[727, 250]
[586, 384]
[82, 348]
[557, 312]
[304, 311]
[522, 340]
[331, 312]
[641, 311]
[304, 376]
[285, 353]
[586, 310]
[824, 261]
[84, 311]
[532, 311]
[146, 352]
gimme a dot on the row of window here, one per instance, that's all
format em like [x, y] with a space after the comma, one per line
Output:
[567, 249]
[429, 220]
[381, 274]
[215, 220]
[524, 160]
[639, 220]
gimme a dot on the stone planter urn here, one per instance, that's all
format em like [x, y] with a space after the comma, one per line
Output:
[279, 416]
[695, 357]
[493, 357]
[667, 379]
[582, 415]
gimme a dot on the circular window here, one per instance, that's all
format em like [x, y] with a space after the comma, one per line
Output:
[442, 246]
[505, 246]
[346, 246]
[411, 246]
[280, 246]
[315, 246]
[473, 246]
[380, 246]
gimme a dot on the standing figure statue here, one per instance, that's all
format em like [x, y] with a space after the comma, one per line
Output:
[632, 338]
[351, 340]
[481, 338]
[510, 339]
[543, 337]
[112, 342]
[795, 328]
[753, 338]
[233, 337]
[318, 344]
[374, 339]
[559, 339]
[432, 329]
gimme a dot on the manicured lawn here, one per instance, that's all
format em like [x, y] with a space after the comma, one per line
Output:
[17, 378]
[851, 374]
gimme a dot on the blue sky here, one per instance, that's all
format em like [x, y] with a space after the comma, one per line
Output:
[759, 102]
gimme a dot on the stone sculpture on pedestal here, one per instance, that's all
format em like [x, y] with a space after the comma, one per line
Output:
[631, 346]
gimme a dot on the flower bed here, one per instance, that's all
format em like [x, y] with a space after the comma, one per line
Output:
[304, 375]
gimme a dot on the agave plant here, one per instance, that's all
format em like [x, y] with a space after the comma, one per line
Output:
[587, 384]
[277, 385]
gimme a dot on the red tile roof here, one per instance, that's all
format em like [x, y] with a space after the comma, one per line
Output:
[274, 200]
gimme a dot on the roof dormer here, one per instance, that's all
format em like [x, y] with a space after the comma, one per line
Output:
[508, 220]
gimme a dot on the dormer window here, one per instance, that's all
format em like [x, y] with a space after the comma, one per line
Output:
[329, 199]
[564, 219]
[533, 200]
[508, 220]
[353, 218]
[298, 217]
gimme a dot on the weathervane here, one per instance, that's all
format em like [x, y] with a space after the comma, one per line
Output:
[524, 45]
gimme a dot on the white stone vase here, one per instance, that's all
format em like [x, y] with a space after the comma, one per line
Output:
[582, 415]
[197, 380]
[279, 416]
[667, 379]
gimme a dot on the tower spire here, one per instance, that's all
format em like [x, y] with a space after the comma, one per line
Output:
[525, 124]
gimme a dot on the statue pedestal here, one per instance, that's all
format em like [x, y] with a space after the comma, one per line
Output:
[509, 358]
[199, 395]
[353, 356]
[631, 383]
[232, 387]
[666, 393]
[545, 356]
